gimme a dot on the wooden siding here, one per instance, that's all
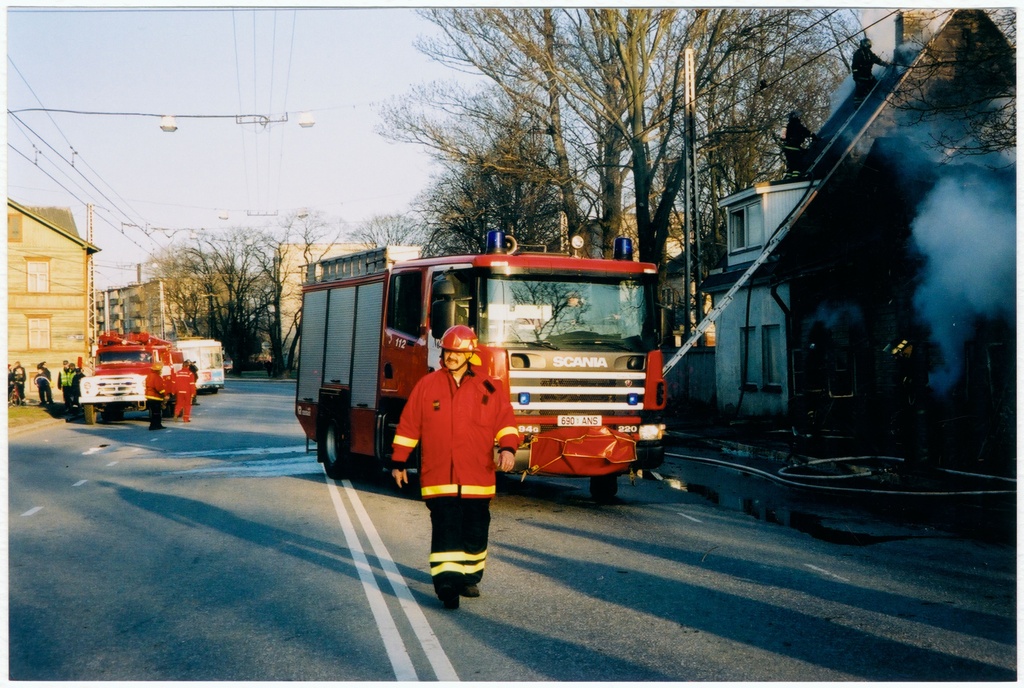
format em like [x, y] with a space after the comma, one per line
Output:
[64, 303]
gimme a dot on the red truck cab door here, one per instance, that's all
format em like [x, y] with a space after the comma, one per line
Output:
[404, 345]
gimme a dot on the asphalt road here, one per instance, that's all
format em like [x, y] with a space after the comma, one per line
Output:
[218, 550]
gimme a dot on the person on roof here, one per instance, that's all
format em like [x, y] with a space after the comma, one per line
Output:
[793, 138]
[863, 61]
[459, 416]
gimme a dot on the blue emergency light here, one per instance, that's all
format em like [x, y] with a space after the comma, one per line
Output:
[623, 248]
[632, 398]
[524, 398]
[495, 241]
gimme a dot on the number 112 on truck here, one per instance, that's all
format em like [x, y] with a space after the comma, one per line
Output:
[576, 342]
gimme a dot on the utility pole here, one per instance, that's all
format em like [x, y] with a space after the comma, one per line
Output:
[691, 219]
[163, 319]
[90, 283]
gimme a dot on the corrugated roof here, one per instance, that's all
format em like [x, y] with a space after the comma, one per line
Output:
[59, 220]
[60, 217]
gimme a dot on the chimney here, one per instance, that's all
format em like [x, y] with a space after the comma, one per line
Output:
[917, 26]
[898, 25]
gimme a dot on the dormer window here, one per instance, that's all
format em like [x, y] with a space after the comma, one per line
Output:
[746, 227]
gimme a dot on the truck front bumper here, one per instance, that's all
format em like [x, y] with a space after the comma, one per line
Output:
[587, 452]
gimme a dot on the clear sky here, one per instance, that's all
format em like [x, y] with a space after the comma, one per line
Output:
[338, 64]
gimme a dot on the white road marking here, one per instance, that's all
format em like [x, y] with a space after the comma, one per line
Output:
[80, 483]
[401, 663]
[695, 520]
[34, 510]
[92, 450]
[442, 666]
[112, 463]
[822, 571]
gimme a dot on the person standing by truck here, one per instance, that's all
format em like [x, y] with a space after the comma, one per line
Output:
[76, 388]
[64, 380]
[459, 415]
[193, 370]
[183, 385]
[156, 391]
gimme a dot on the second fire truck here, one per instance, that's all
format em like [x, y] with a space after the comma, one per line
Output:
[118, 382]
[575, 340]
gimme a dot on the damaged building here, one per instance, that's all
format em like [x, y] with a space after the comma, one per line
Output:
[883, 323]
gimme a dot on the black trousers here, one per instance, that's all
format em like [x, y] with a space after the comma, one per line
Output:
[794, 161]
[458, 542]
[155, 408]
[863, 86]
[45, 397]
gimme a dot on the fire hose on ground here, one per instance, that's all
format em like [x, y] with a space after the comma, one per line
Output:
[784, 476]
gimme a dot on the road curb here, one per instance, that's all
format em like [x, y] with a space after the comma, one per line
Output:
[32, 427]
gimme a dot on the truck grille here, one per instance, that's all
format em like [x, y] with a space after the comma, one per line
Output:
[113, 388]
[576, 392]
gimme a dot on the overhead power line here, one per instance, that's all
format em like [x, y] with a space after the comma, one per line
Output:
[263, 119]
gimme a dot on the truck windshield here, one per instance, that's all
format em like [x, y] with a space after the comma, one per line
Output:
[124, 357]
[531, 311]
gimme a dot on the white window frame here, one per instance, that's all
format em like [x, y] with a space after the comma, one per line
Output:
[39, 333]
[746, 227]
[37, 273]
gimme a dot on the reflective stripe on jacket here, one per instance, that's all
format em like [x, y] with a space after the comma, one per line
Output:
[457, 427]
[155, 388]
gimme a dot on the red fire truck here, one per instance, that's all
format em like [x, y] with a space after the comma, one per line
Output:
[576, 341]
[118, 382]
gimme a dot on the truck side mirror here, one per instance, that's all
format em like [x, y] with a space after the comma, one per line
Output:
[442, 309]
[442, 316]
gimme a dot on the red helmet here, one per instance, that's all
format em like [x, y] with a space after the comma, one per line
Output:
[459, 338]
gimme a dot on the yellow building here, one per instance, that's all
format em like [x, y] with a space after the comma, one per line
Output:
[47, 288]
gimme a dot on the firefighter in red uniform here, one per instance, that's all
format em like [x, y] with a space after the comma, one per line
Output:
[156, 390]
[459, 416]
[184, 386]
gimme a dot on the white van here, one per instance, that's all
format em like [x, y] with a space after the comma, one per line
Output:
[208, 355]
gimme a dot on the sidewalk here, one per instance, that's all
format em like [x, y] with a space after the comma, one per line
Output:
[46, 418]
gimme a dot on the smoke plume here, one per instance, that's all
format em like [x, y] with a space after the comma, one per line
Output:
[966, 231]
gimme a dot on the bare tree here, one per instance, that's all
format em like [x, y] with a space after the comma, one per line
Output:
[391, 230]
[497, 174]
[300, 241]
[967, 117]
[243, 286]
[605, 87]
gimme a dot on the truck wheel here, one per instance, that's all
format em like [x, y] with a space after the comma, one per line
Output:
[90, 414]
[332, 454]
[604, 487]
